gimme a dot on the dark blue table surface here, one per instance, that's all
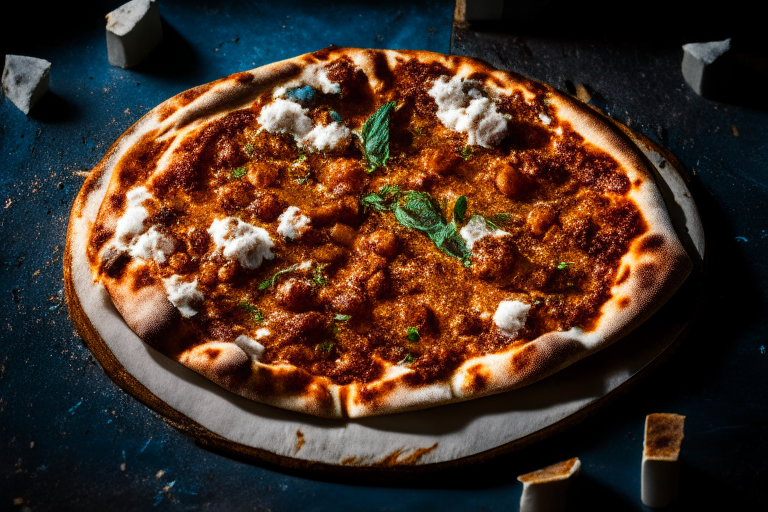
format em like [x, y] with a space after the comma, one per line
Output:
[71, 439]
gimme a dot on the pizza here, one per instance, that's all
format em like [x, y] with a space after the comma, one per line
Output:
[357, 232]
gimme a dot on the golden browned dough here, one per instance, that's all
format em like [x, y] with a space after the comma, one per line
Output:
[344, 310]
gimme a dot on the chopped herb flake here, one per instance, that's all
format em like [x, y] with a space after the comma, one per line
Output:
[336, 116]
[318, 276]
[466, 152]
[341, 317]
[303, 179]
[408, 359]
[256, 313]
[375, 137]
[239, 172]
[412, 334]
[563, 265]
[249, 150]
[272, 280]
[326, 346]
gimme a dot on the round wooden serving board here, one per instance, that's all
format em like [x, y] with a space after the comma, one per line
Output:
[414, 441]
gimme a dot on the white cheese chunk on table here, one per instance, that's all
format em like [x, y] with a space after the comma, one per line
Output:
[661, 466]
[546, 490]
[703, 66]
[133, 30]
[25, 80]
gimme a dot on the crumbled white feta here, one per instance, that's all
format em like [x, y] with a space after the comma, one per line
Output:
[334, 136]
[476, 229]
[131, 224]
[510, 316]
[152, 245]
[184, 296]
[462, 106]
[545, 118]
[292, 223]
[283, 116]
[250, 346]
[249, 245]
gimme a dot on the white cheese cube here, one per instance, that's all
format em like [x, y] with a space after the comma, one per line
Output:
[545, 490]
[133, 30]
[661, 466]
[702, 67]
[25, 80]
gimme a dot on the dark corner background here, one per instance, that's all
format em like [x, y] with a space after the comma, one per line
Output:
[71, 440]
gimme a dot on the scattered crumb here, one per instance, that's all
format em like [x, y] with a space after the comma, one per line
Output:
[37, 272]
[122, 466]
[127, 111]
[735, 130]
[8, 203]
[18, 501]
[582, 93]
[82, 174]
[32, 444]
[160, 474]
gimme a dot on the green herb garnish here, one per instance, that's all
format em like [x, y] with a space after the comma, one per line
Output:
[408, 359]
[466, 152]
[412, 334]
[249, 150]
[239, 172]
[318, 276]
[301, 158]
[375, 137]
[381, 200]
[420, 212]
[341, 317]
[460, 209]
[326, 346]
[303, 179]
[256, 313]
[563, 265]
[272, 280]
[498, 219]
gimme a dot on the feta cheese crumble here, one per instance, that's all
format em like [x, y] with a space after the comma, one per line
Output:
[131, 224]
[476, 229]
[283, 116]
[183, 295]
[250, 346]
[249, 245]
[292, 223]
[510, 316]
[152, 245]
[462, 106]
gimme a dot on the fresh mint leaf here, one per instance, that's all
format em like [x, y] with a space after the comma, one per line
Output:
[419, 211]
[381, 200]
[375, 137]
[412, 334]
[460, 209]
[272, 280]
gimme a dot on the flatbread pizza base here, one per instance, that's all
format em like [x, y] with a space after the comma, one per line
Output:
[430, 439]
[653, 269]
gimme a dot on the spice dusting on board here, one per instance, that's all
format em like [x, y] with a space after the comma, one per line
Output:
[339, 229]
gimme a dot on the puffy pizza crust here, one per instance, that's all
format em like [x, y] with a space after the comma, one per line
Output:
[655, 266]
